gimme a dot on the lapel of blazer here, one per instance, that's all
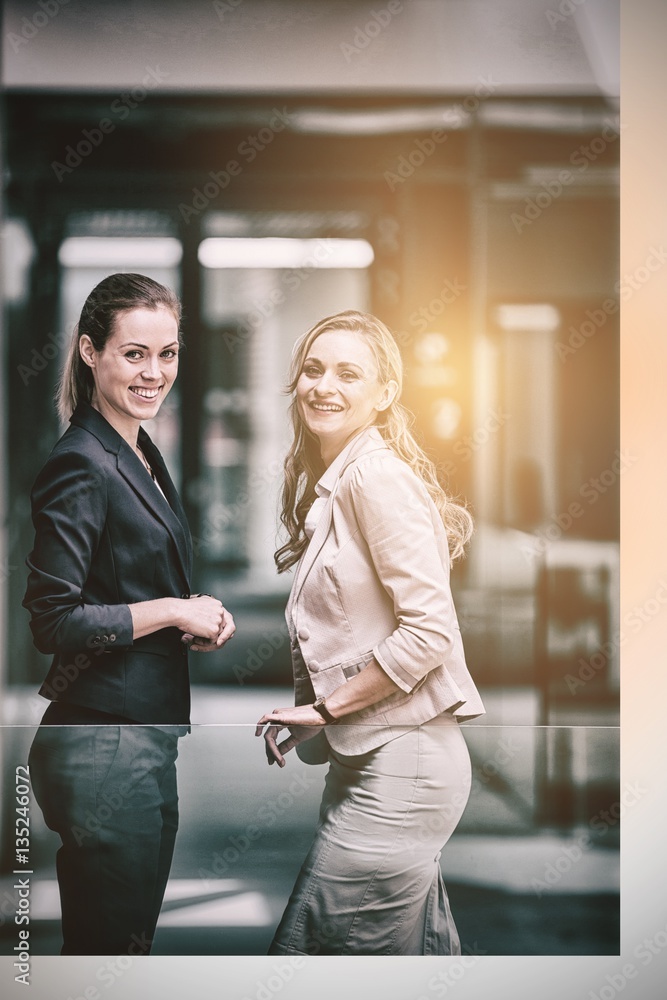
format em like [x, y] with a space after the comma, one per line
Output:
[169, 512]
[368, 441]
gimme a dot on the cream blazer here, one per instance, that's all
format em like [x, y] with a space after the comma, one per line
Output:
[374, 582]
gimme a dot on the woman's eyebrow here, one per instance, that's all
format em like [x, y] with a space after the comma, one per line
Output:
[341, 364]
[133, 343]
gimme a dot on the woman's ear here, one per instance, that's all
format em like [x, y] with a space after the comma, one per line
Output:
[388, 396]
[86, 350]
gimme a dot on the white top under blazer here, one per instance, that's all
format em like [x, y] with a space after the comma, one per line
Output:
[374, 583]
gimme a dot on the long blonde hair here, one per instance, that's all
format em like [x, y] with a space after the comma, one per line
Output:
[304, 466]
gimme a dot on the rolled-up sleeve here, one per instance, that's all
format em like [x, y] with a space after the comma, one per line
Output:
[395, 517]
[69, 507]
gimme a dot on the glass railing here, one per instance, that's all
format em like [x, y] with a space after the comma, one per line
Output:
[531, 867]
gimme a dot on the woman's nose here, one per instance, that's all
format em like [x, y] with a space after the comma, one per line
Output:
[324, 384]
[151, 368]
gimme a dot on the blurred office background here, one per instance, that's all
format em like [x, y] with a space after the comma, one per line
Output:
[453, 168]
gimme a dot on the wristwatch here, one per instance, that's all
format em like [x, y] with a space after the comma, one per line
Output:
[320, 705]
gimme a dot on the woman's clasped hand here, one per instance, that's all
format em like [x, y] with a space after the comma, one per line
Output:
[206, 624]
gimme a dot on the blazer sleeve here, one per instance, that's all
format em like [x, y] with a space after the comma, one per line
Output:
[395, 517]
[69, 508]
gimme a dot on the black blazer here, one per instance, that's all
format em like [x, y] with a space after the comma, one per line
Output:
[105, 537]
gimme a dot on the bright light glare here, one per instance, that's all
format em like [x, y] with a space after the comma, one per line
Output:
[446, 418]
[528, 316]
[431, 347]
[120, 251]
[279, 252]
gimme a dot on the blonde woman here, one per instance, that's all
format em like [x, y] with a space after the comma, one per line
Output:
[380, 676]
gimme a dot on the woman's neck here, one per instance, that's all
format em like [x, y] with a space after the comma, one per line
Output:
[330, 450]
[126, 427]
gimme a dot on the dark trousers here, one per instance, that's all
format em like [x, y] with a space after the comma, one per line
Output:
[109, 791]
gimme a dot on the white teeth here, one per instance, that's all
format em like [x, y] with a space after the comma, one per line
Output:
[331, 408]
[145, 393]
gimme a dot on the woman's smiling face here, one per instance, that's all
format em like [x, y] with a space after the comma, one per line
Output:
[137, 367]
[338, 391]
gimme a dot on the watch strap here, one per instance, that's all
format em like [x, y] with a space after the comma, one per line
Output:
[320, 706]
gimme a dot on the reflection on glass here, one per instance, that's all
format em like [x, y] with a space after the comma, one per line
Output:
[533, 867]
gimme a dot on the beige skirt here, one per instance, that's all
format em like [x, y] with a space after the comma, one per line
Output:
[371, 883]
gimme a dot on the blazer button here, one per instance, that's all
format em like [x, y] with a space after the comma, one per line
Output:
[303, 634]
[314, 665]
[185, 597]
[112, 637]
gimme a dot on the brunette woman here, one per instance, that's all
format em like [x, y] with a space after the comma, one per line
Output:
[109, 596]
